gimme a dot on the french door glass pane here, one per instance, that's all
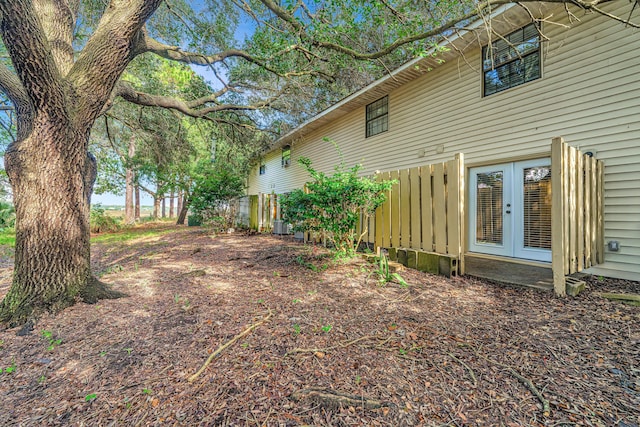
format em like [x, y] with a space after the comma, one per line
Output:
[537, 207]
[489, 196]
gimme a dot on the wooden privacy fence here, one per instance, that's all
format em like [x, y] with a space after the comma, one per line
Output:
[577, 220]
[264, 209]
[424, 209]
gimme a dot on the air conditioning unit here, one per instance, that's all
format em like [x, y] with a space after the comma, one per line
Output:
[281, 227]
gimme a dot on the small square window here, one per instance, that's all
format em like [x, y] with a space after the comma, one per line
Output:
[378, 116]
[512, 60]
[286, 156]
[263, 169]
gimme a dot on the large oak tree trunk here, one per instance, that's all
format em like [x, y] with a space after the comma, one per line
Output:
[52, 254]
[57, 95]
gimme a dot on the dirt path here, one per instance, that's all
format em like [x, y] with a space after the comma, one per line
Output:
[340, 350]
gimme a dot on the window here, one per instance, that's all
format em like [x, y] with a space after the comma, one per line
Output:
[262, 169]
[378, 116]
[286, 156]
[512, 60]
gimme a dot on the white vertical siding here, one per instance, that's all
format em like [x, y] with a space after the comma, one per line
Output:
[589, 94]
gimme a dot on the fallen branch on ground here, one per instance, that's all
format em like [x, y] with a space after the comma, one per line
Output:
[546, 410]
[333, 399]
[229, 343]
[339, 345]
[471, 373]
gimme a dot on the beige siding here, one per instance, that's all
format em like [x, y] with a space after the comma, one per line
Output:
[589, 95]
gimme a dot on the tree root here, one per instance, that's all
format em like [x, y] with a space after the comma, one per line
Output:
[333, 399]
[229, 343]
[96, 290]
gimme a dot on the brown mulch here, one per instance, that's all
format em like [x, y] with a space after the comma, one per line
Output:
[339, 349]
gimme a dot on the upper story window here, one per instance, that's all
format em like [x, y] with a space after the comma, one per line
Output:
[286, 156]
[378, 116]
[263, 169]
[512, 60]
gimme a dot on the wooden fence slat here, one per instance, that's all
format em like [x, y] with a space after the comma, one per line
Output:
[405, 209]
[395, 210]
[580, 211]
[461, 212]
[371, 235]
[452, 193]
[386, 215]
[557, 216]
[439, 208]
[427, 208]
[416, 238]
[594, 213]
[564, 203]
[573, 235]
[600, 209]
[587, 211]
[379, 220]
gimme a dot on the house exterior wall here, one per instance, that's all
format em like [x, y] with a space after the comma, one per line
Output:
[589, 94]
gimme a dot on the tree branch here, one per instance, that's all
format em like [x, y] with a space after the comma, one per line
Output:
[12, 87]
[107, 53]
[30, 53]
[175, 53]
[196, 108]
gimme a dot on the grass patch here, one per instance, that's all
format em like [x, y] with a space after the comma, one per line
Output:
[8, 237]
[129, 234]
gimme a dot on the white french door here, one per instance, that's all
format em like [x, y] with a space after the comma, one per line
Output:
[510, 209]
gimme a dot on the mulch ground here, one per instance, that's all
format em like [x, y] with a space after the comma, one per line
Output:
[336, 348]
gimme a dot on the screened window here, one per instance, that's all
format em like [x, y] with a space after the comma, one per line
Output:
[512, 60]
[263, 169]
[286, 156]
[378, 116]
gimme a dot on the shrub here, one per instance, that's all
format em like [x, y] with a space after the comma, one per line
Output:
[7, 215]
[101, 222]
[214, 198]
[333, 204]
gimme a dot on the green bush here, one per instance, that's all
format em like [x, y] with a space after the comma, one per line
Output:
[101, 222]
[333, 204]
[214, 198]
[7, 215]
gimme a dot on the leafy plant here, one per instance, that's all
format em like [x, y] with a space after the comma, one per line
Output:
[147, 391]
[213, 200]
[53, 342]
[297, 329]
[90, 397]
[9, 369]
[101, 222]
[7, 215]
[326, 328]
[385, 275]
[333, 205]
